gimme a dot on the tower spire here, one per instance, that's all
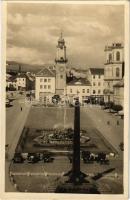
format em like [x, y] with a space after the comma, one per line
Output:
[61, 34]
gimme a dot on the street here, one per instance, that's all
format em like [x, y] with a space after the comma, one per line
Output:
[15, 120]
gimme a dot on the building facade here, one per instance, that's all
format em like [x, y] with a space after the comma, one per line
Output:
[113, 69]
[21, 81]
[118, 97]
[17, 82]
[96, 77]
[79, 88]
[45, 85]
[11, 83]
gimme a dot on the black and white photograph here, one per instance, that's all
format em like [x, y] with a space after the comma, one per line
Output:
[66, 104]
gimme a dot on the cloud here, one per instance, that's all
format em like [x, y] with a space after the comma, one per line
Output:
[33, 31]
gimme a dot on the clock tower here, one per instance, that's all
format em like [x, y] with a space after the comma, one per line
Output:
[60, 61]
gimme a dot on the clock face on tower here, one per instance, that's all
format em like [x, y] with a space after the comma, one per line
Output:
[61, 69]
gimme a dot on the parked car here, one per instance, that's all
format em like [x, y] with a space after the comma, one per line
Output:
[87, 157]
[18, 158]
[33, 158]
[48, 159]
[101, 158]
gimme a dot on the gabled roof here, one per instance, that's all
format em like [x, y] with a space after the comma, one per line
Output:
[45, 72]
[79, 82]
[11, 79]
[97, 71]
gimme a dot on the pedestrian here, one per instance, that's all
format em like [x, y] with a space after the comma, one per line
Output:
[21, 108]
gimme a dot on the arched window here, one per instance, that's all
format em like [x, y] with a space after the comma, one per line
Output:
[110, 57]
[117, 72]
[118, 56]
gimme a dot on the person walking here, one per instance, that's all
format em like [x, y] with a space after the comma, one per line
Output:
[21, 108]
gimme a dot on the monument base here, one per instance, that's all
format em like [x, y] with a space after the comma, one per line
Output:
[84, 188]
[77, 184]
[77, 178]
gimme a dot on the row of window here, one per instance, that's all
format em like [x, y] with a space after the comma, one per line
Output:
[45, 86]
[117, 56]
[94, 83]
[83, 91]
[45, 80]
[99, 91]
[94, 76]
[21, 79]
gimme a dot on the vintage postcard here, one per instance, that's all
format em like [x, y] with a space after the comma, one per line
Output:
[65, 94]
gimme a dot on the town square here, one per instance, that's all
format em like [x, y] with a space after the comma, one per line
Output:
[65, 108]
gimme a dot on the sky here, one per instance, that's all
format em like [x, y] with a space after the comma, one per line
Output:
[33, 30]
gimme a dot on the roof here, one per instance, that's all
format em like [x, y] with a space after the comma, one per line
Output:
[97, 71]
[21, 76]
[45, 72]
[79, 82]
[119, 84]
[11, 79]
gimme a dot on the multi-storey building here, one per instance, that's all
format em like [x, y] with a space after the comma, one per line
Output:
[113, 69]
[79, 88]
[17, 82]
[45, 84]
[21, 81]
[96, 78]
[11, 83]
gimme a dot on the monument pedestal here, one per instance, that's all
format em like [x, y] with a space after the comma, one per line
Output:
[77, 179]
[84, 188]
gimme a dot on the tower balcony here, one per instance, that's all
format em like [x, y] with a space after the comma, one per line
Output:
[62, 60]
